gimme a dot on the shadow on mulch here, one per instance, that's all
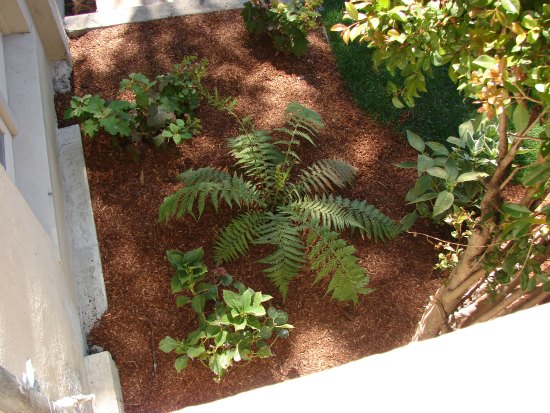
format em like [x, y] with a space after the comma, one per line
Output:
[137, 276]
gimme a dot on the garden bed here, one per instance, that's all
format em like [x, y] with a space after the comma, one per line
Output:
[126, 196]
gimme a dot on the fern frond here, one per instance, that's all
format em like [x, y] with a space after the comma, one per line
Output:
[208, 183]
[373, 223]
[322, 175]
[288, 259]
[194, 176]
[299, 116]
[325, 211]
[256, 155]
[332, 257]
[234, 239]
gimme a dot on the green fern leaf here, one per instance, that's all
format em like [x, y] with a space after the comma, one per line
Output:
[288, 259]
[235, 238]
[299, 115]
[373, 223]
[208, 182]
[332, 257]
[323, 175]
[325, 211]
[256, 155]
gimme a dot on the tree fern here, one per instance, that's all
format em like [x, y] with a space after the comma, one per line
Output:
[256, 155]
[341, 213]
[207, 183]
[332, 256]
[323, 175]
[288, 259]
[291, 215]
[235, 238]
[328, 214]
[374, 224]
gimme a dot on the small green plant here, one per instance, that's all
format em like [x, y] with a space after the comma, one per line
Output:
[450, 179]
[287, 23]
[233, 323]
[297, 215]
[162, 110]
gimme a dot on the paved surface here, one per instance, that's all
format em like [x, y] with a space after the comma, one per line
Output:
[83, 245]
[104, 5]
[125, 12]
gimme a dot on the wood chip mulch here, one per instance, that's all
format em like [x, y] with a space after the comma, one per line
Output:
[126, 196]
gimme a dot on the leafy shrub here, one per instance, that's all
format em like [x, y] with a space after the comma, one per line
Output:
[287, 23]
[162, 110]
[233, 327]
[450, 179]
[296, 215]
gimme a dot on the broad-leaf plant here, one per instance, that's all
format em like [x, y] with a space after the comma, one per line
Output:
[292, 210]
[496, 52]
[233, 323]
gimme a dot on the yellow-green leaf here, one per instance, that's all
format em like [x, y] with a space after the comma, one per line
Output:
[521, 118]
[512, 6]
[352, 11]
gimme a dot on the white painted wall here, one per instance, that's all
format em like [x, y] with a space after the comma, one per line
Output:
[8, 143]
[494, 367]
[38, 308]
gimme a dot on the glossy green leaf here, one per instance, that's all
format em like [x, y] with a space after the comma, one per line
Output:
[443, 202]
[352, 10]
[416, 141]
[198, 303]
[195, 351]
[471, 176]
[397, 103]
[182, 300]
[520, 118]
[168, 344]
[515, 210]
[437, 172]
[513, 6]
[424, 197]
[264, 352]
[181, 363]
[408, 221]
[537, 174]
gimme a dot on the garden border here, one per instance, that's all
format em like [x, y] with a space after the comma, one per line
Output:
[82, 23]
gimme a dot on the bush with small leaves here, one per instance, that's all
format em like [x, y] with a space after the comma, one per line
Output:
[297, 215]
[162, 110]
[234, 325]
[287, 23]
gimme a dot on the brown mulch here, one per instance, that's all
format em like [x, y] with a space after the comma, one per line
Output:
[126, 196]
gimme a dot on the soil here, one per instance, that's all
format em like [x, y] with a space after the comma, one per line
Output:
[126, 196]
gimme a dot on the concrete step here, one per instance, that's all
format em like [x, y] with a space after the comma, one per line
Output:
[106, 5]
[160, 9]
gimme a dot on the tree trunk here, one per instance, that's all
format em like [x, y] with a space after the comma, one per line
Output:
[469, 271]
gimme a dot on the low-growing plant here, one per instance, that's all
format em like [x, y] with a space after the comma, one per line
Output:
[233, 323]
[449, 179]
[162, 110]
[294, 213]
[287, 23]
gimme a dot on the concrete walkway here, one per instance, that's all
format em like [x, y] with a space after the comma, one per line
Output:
[114, 12]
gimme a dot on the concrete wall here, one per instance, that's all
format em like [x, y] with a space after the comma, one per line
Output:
[491, 367]
[30, 97]
[38, 308]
